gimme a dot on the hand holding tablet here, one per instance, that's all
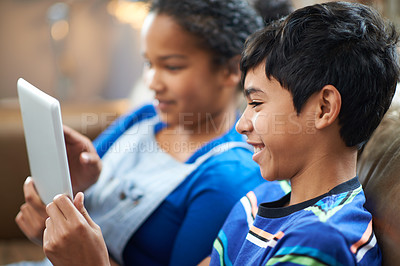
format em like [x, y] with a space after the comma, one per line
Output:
[84, 162]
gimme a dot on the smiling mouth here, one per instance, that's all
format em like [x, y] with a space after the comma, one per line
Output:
[163, 104]
[257, 147]
[158, 101]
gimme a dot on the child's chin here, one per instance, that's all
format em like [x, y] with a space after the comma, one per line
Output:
[267, 176]
[168, 118]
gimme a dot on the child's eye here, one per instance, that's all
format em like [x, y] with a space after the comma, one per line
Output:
[173, 68]
[254, 104]
[147, 64]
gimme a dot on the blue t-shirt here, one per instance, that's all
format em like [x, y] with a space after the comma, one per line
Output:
[181, 230]
[332, 229]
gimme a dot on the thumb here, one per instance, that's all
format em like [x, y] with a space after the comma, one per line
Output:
[89, 158]
[86, 158]
[78, 202]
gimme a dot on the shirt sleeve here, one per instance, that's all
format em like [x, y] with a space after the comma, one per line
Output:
[107, 138]
[206, 215]
[231, 236]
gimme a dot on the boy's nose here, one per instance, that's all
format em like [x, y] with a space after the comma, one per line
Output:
[245, 124]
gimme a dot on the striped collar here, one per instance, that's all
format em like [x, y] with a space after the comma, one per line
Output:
[276, 209]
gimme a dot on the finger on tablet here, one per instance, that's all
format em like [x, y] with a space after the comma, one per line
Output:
[71, 136]
[31, 223]
[88, 158]
[49, 223]
[63, 205]
[55, 213]
[78, 202]
[31, 194]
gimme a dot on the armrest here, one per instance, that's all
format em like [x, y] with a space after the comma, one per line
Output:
[89, 119]
[379, 173]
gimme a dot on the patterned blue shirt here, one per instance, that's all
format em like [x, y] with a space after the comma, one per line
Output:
[332, 229]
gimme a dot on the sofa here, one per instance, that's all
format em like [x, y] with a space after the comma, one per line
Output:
[89, 119]
[379, 173]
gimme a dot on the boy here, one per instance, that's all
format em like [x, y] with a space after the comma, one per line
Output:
[317, 84]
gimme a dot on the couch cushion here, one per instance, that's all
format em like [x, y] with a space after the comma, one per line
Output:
[89, 119]
[379, 173]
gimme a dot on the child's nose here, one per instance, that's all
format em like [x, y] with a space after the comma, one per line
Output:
[153, 80]
[245, 124]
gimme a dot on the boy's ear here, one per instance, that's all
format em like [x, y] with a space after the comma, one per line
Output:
[232, 71]
[328, 108]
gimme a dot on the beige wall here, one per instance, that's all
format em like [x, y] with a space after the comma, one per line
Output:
[392, 10]
[99, 58]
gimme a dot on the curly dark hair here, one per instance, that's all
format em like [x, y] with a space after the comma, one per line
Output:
[346, 45]
[272, 9]
[221, 26]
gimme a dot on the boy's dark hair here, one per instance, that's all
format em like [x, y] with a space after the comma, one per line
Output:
[222, 26]
[346, 45]
[271, 10]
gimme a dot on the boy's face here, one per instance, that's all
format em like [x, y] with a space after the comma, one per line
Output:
[279, 136]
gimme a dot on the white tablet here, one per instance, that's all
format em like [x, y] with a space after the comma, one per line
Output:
[45, 142]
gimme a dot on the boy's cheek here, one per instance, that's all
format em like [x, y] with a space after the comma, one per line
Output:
[256, 126]
[262, 123]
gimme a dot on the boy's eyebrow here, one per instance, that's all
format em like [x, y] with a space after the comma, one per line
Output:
[248, 91]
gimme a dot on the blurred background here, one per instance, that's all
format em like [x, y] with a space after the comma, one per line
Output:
[84, 50]
[86, 53]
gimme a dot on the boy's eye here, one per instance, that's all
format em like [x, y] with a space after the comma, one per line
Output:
[254, 104]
